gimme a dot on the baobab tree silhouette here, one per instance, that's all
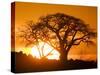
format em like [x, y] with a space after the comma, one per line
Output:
[60, 31]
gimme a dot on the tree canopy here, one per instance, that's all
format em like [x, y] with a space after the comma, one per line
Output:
[59, 30]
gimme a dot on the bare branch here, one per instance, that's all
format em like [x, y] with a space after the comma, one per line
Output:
[77, 43]
[48, 53]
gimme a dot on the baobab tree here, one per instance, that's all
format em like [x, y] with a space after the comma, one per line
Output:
[60, 31]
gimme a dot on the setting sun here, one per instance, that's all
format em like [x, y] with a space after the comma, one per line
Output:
[47, 51]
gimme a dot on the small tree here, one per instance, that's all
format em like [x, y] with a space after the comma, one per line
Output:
[60, 31]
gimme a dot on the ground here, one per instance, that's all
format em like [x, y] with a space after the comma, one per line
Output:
[24, 63]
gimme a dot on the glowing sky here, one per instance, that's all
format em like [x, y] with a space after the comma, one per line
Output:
[32, 11]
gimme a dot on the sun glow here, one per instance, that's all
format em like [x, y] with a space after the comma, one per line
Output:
[44, 50]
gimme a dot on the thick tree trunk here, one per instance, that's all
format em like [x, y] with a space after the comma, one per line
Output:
[64, 55]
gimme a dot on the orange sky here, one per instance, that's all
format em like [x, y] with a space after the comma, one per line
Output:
[32, 11]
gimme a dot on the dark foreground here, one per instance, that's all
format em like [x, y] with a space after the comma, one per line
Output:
[25, 63]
